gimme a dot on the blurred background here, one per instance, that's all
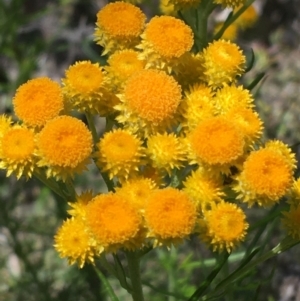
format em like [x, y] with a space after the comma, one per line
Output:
[43, 38]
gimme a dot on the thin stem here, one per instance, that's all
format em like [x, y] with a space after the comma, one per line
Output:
[106, 284]
[92, 128]
[134, 273]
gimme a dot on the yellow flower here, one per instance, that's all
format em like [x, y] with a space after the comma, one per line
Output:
[136, 191]
[166, 8]
[291, 221]
[79, 207]
[119, 26]
[294, 193]
[197, 106]
[121, 65]
[114, 222]
[150, 101]
[223, 62]
[18, 151]
[249, 123]
[247, 18]
[65, 145]
[164, 41]
[170, 216]
[38, 101]
[5, 124]
[203, 189]
[226, 226]
[73, 241]
[83, 85]
[230, 32]
[190, 71]
[267, 176]
[230, 3]
[230, 97]
[217, 141]
[166, 152]
[120, 154]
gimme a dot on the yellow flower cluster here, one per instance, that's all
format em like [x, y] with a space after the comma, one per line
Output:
[182, 135]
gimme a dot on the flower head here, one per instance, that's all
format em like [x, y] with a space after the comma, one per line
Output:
[166, 152]
[291, 221]
[223, 61]
[18, 151]
[121, 65]
[119, 26]
[203, 188]
[79, 207]
[165, 40]
[150, 99]
[197, 106]
[230, 97]
[5, 124]
[217, 141]
[119, 153]
[38, 101]
[226, 226]
[73, 241]
[64, 145]
[170, 216]
[136, 191]
[114, 222]
[249, 123]
[267, 176]
[82, 86]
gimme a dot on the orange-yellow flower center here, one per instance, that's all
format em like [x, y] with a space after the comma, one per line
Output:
[217, 141]
[65, 141]
[38, 101]
[170, 214]
[112, 220]
[170, 37]
[18, 144]
[267, 173]
[153, 95]
[84, 78]
[121, 20]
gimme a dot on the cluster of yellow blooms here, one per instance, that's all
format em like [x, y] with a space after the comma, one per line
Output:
[185, 146]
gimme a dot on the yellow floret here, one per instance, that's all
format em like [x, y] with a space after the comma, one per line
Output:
[170, 216]
[120, 153]
[267, 176]
[38, 101]
[166, 152]
[73, 241]
[18, 151]
[150, 101]
[223, 62]
[226, 226]
[114, 222]
[230, 3]
[83, 86]
[164, 41]
[65, 146]
[119, 26]
[217, 141]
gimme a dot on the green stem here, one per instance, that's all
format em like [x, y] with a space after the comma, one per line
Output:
[134, 273]
[204, 10]
[92, 128]
[106, 284]
[50, 184]
[233, 17]
[286, 244]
